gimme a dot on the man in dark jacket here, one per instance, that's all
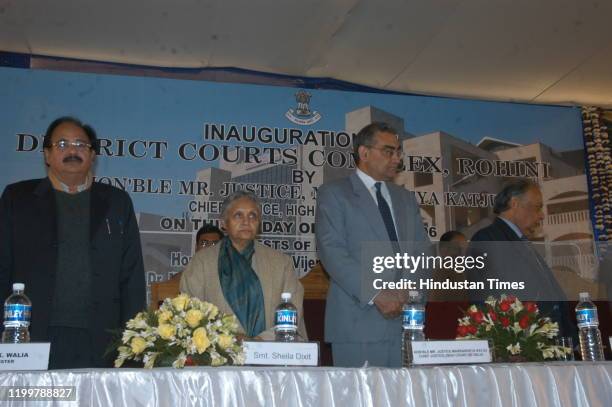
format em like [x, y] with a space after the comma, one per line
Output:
[76, 246]
[519, 211]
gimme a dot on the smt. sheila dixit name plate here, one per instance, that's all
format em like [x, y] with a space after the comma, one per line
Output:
[281, 353]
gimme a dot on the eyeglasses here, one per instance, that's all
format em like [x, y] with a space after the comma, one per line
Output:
[65, 145]
[389, 152]
[208, 243]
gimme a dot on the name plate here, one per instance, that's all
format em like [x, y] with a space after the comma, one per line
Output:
[24, 356]
[281, 353]
[450, 352]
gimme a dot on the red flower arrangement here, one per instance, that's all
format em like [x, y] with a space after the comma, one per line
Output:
[516, 329]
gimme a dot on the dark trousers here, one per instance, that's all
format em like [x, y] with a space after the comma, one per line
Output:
[70, 348]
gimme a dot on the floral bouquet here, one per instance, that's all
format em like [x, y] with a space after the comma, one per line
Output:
[516, 329]
[183, 331]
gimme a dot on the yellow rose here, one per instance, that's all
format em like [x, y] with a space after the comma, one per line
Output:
[225, 341]
[164, 316]
[193, 317]
[138, 345]
[200, 340]
[166, 331]
[180, 302]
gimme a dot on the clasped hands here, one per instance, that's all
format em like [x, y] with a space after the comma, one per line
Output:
[390, 302]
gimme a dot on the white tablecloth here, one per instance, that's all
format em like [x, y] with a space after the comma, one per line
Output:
[573, 384]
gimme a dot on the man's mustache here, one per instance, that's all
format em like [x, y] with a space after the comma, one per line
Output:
[72, 158]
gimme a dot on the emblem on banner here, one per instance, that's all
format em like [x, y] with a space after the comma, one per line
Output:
[302, 115]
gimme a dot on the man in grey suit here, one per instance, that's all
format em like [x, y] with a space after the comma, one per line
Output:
[365, 207]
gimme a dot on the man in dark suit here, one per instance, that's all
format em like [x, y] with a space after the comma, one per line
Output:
[365, 207]
[519, 211]
[76, 246]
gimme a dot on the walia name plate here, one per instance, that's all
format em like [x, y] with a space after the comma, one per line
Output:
[281, 353]
[24, 356]
[450, 352]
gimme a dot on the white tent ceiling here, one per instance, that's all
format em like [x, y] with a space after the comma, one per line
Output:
[537, 51]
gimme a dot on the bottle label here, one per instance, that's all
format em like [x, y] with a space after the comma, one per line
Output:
[587, 317]
[413, 318]
[17, 315]
[285, 320]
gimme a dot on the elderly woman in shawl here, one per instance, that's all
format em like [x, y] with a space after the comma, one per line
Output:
[242, 276]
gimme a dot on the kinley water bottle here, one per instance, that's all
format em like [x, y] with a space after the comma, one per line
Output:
[17, 312]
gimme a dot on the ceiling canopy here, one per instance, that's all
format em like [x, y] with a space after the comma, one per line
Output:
[544, 51]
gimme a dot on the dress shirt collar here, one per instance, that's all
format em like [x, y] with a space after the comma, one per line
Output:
[514, 228]
[60, 186]
[369, 181]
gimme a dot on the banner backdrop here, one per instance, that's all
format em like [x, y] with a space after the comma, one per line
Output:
[179, 147]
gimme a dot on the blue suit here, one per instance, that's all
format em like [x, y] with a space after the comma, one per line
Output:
[346, 217]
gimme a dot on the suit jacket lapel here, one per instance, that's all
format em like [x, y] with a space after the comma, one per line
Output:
[98, 209]
[46, 212]
[368, 208]
[507, 232]
[399, 213]
[546, 282]
[524, 249]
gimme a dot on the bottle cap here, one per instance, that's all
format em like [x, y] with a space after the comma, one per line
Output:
[584, 296]
[286, 296]
[18, 286]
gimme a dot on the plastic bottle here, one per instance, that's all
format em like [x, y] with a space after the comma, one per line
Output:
[413, 324]
[285, 320]
[591, 347]
[17, 312]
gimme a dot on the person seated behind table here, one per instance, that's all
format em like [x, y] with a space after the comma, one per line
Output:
[242, 276]
[444, 307]
[452, 244]
[208, 235]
